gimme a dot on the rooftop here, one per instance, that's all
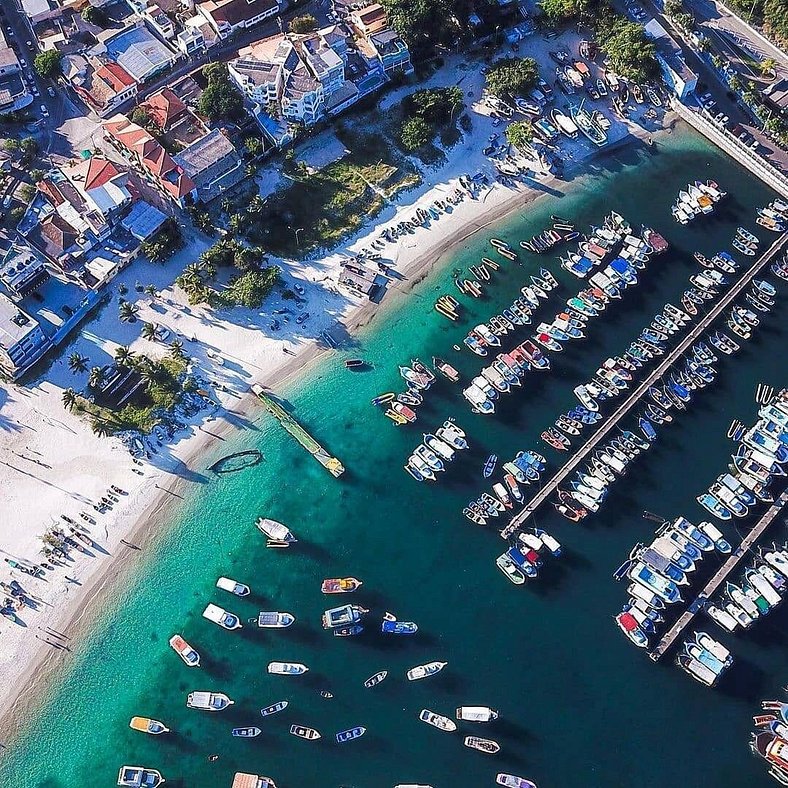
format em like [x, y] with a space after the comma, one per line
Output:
[204, 153]
[15, 324]
[139, 52]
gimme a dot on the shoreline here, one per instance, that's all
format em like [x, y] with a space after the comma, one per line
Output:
[32, 685]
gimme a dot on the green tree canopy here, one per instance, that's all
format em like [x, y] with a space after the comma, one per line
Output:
[95, 16]
[425, 24]
[512, 76]
[415, 133]
[47, 63]
[520, 134]
[303, 24]
[628, 50]
[558, 11]
[435, 105]
[220, 99]
[251, 287]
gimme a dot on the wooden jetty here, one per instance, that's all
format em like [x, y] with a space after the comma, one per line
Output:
[331, 464]
[744, 548]
[634, 398]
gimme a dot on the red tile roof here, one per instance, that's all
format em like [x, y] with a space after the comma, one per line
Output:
[116, 76]
[100, 172]
[164, 108]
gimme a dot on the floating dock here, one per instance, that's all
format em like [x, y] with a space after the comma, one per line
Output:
[331, 464]
[740, 552]
[637, 394]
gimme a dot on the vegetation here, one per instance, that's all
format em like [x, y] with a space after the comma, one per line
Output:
[251, 287]
[201, 219]
[674, 9]
[629, 52]
[558, 11]
[427, 24]
[127, 312]
[28, 148]
[303, 24]
[95, 16]
[78, 363]
[415, 134]
[47, 64]
[512, 76]
[254, 146]
[771, 14]
[427, 111]
[167, 240]
[520, 133]
[220, 99]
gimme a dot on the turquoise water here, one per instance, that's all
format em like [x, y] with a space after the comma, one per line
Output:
[579, 705]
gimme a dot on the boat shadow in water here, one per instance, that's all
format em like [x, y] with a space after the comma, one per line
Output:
[744, 681]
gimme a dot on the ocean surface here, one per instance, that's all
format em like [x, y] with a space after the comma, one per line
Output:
[579, 705]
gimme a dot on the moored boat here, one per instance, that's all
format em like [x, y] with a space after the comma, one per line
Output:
[476, 713]
[350, 734]
[423, 671]
[188, 654]
[274, 708]
[376, 679]
[275, 530]
[340, 585]
[303, 732]
[139, 777]
[208, 701]
[148, 725]
[482, 745]
[437, 720]
[287, 668]
[250, 732]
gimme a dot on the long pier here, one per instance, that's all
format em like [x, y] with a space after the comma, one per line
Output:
[629, 403]
[768, 518]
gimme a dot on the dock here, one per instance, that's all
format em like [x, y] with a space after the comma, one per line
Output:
[331, 464]
[637, 394]
[720, 575]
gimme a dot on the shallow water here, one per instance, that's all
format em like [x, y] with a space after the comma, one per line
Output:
[579, 705]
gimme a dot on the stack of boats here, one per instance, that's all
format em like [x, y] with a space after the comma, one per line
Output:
[771, 740]
[774, 216]
[761, 455]
[525, 468]
[704, 658]
[418, 378]
[760, 590]
[523, 559]
[658, 570]
[780, 268]
[561, 231]
[437, 450]
[698, 198]
[745, 242]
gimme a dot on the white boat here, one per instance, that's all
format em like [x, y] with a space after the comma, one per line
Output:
[274, 619]
[139, 777]
[422, 671]
[714, 647]
[476, 713]
[482, 745]
[275, 530]
[510, 569]
[437, 720]
[188, 654]
[513, 781]
[221, 617]
[722, 617]
[208, 701]
[287, 668]
[233, 586]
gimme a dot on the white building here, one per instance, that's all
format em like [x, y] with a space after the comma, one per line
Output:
[22, 340]
[230, 16]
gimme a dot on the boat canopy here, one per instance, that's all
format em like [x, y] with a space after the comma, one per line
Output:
[628, 622]
[620, 265]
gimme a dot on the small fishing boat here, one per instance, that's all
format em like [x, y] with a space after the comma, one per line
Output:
[511, 780]
[354, 363]
[287, 668]
[274, 619]
[147, 725]
[275, 530]
[303, 732]
[221, 617]
[274, 708]
[350, 734]
[208, 701]
[423, 671]
[376, 679]
[246, 733]
[446, 369]
[476, 713]
[188, 654]
[482, 745]
[399, 627]
[511, 569]
[489, 466]
[630, 627]
[139, 777]
[382, 399]
[233, 586]
[437, 720]
[340, 585]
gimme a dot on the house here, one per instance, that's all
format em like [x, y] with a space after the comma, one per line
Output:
[776, 95]
[380, 45]
[22, 340]
[59, 241]
[143, 220]
[103, 86]
[14, 94]
[229, 16]
[164, 109]
[159, 21]
[212, 163]
[148, 155]
[101, 187]
[678, 76]
[137, 50]
[22, 271]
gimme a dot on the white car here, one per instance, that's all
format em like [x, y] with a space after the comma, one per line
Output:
[44, 111]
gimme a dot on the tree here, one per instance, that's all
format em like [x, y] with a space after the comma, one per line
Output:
[250, 288]
[151, 291]
[436, 105]
[149, 375]
[303, 24]
[176, 349]
[128, 312]
[11, 145]
[96, 378]
[673, 7]
[768, 67]
[628, 50]
[140, 116]
[427, 24]
[149, 332]
[415, 133]
[520, 134]
[69, 399]
[124, 357]
[558, 11]
[47, 63]
[220, 99]
[254, 146]
[29, 148]
[95, 16]
[100, 427]
[77, 363]
[512, 76]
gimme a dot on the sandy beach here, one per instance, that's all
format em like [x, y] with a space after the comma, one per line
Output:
[52, 464]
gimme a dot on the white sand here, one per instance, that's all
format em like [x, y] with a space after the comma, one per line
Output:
[51, 463]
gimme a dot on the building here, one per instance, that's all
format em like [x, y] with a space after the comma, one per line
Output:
[164, 109]
[103, 86]
[140, 53]
[229, 16]
[676, 73]
[13, 91]
[159, 21]
[212, 163]
[148, 155]
[22, 340]
[776, 95]
[22, 271]
[379, 45]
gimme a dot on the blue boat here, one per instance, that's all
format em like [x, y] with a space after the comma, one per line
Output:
[246, 733]
[647, 429]
[680, 391]
[489, 465]
[350, 734]
[665, 589]
[399, 627]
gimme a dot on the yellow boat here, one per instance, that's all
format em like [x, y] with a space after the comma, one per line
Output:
[147, 725]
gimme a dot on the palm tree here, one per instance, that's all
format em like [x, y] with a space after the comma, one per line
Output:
[176, 348]
[151, 291]
[128, 312]
[96, 378]
[100, 428]
[77, 363]
[149, 331]
[149, 375]
[123, 356]
[767, 66]
[69, 399]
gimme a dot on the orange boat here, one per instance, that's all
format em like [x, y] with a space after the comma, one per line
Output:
[188, 654]
[340, 585]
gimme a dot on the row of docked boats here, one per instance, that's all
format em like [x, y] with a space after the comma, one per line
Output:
[770, 740]
[760, 457]
[745, 242]
[400, 408]
[696, 199]
[561, 231]
[523, 559]
[704, 659]
[437, 450]
[774, 216]
[526, 468]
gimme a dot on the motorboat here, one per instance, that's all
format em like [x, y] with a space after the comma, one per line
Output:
[303, 732]
[233, 586]
[208, 701]
[630, 627]
[512, 571]
[482, 745]
[274, 620]
[664, 588]
[188, 654]
[423, 671]
[476, 713]
[148, 725]
[275, 530]
[342, 616]
[512, 781]
[246, 733]
[221, 617]
[340, 585]
[399, 627]
[274, 708]
[287, 668]
[437, 720]
[376, 679]
[139, 777]
[350, 734]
